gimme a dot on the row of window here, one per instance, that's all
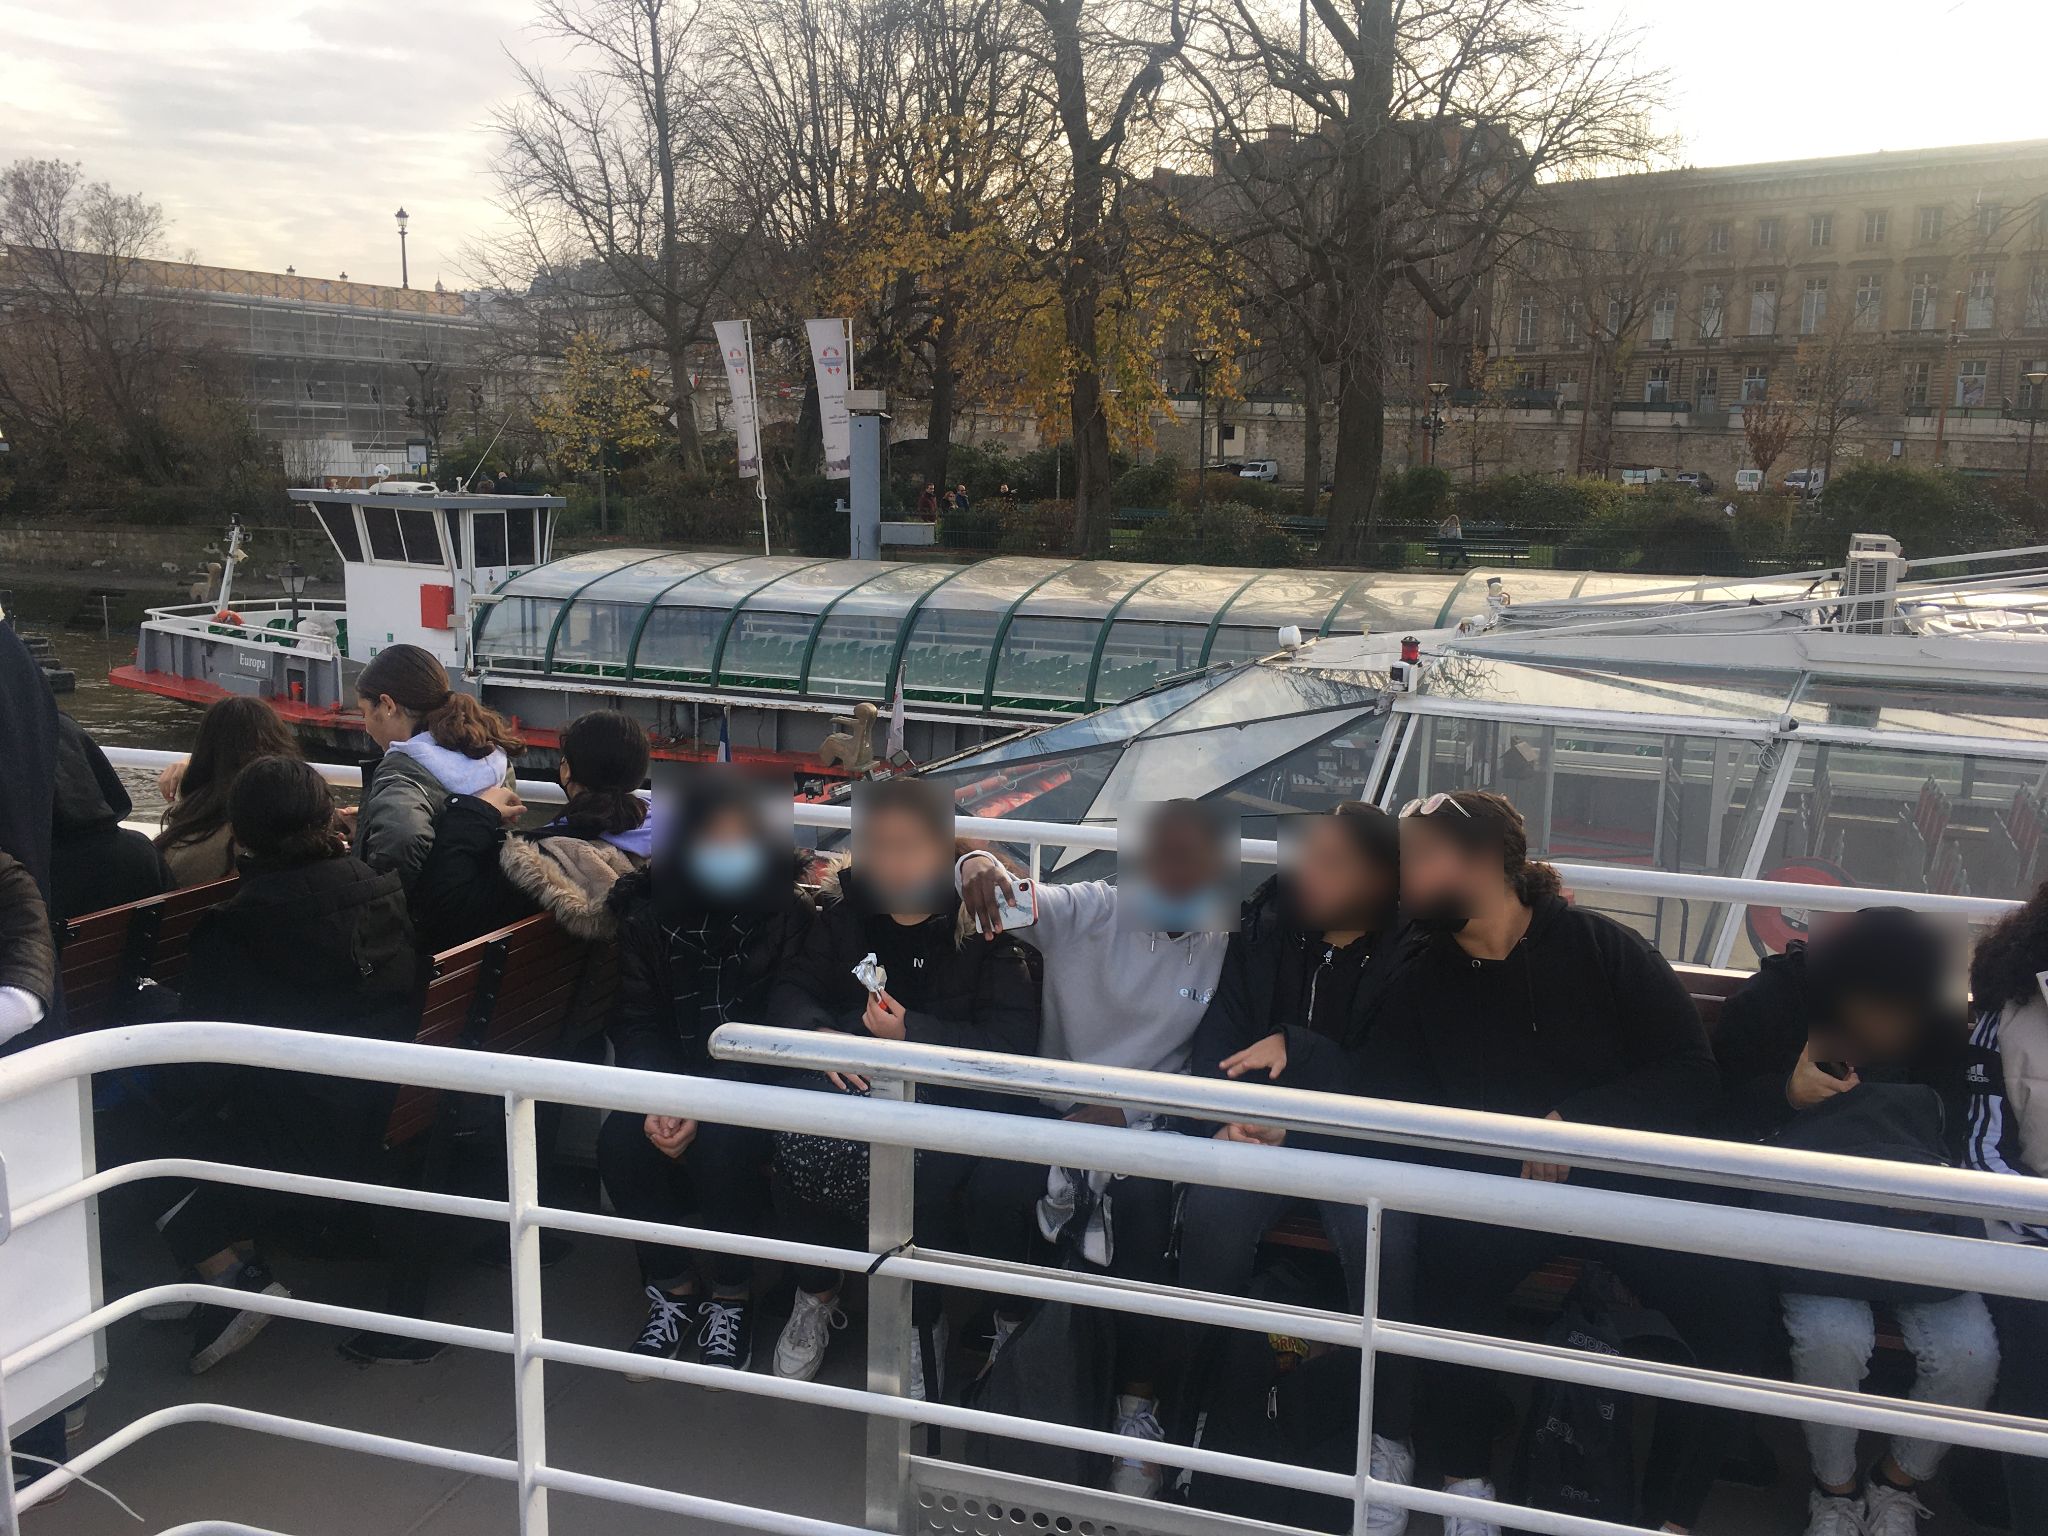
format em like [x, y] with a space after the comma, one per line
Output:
[1984, 221]
[1661, 384]
[412, 535]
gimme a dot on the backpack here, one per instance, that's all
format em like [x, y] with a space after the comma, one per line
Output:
[1897, 1122]
[1576, 1455]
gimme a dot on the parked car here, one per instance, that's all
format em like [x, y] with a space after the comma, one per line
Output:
[1748, 480]
[1641, 477]
[1805, 482]
[1260, 469]
[1225, 466]
[1698, 479]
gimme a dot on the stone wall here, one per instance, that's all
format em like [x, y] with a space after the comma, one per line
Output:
[123, 549]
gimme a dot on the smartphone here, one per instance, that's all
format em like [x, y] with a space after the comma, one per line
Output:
[1020, 908]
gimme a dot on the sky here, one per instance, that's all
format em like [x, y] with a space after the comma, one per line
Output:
[287, 132]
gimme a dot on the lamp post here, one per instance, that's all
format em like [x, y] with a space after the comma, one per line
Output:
[1435, 425]
[404, 272]
[2036, 379]
[1202, 358]
[294, 578]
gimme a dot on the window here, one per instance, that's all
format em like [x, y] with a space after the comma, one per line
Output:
[1989, 217]
[1617, 310]
[521, 547]
[1763, 307]
[1707, 386]
[1870, 302]
[2037, 298]
[339, 519]
[1767, 234]
[422, 535]
[1930, 225]
[1858, 389]
[1526, 333]
[1916, 377]
[1571, 324]
[1972, 374]
[1664, 316]
[1657, 385]
[1876, 226]
[1711, 306]
[1977, 312]
[1526, 379]
[2033, 396]
[1668, 236]
[1717, 238]
[385, 540]
[1926, 310]
[487, 533]
[1820, 230]
[1756, 382]
[1813, 305]
[1568, 384]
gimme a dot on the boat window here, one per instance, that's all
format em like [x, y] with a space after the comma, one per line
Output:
[1241, 644]
[852, 653]
[948, 652]
[339, 519]
[679, 639]
[1045, 658]
[597, 633]
[516, 631]
[385, 541]
[422, 538]
[1139, 653]
[520, 548]
[1953, 708]
[1050, 749]
[487, 534]
[766, 646]
[1271, 693]
[453, 520]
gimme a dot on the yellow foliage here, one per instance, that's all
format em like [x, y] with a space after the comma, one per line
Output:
[602, 404]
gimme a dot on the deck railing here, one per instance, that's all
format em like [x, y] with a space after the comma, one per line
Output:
[906, 1492]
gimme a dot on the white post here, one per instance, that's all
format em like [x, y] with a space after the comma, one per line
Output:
[761, 468]
[522, 1181]
[892, 1173]
[1368, 1359]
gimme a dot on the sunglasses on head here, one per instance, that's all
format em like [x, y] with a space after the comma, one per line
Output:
[1443, 800]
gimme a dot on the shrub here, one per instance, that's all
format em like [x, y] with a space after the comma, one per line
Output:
[1690, 543]
[1536, 506]
[1230, 533]
[1929, 511]
[1146, 485]
[1419, 494]
[808, 508]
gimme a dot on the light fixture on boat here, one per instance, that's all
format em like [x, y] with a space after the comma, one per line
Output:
[292, 576]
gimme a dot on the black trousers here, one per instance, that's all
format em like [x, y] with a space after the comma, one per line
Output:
[720, 1182]
[2023, 1389]
[1723, 1310]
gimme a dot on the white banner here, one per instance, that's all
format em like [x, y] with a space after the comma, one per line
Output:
[829, 359]
[736, 346]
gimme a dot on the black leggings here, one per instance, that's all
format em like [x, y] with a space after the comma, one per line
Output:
[719, 1182]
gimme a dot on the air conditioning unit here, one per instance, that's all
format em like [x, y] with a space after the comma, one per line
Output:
[1870, 585]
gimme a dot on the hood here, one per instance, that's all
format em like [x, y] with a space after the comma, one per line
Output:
[90, 794]
[570, 877]
[454, 771]
[639, 841]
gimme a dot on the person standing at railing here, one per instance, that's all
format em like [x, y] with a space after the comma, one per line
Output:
[1519, 1003]
[893, 955]
[1130, 970]
[2007, 1132]
[703, 932]
[312, 939]
[196, 841]
[1847, 1045]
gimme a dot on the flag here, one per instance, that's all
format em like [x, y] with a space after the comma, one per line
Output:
[895, 741]
[830, 362]
[736, 346]
[724, 738]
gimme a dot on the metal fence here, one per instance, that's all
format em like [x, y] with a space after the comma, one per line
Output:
[906, 1492]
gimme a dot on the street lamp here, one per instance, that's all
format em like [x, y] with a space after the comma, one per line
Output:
[1202, 358]
[1435, 423]
[293, 575]
[404, 273]
[2036, 378]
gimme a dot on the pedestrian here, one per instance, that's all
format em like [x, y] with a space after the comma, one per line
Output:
[928, 502]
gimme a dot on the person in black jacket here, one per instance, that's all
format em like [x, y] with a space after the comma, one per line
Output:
[312, 939]
[702, 934]
[95, 862]
[28, 758]
[1518, 1003]
[939, 984]
[28, 953]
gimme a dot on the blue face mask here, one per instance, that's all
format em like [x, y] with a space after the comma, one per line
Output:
[1158, 912]
[727, 871]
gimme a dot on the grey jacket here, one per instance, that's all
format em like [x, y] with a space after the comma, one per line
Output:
[401, 798]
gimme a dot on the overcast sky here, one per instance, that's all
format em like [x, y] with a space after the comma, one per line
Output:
[280, 132]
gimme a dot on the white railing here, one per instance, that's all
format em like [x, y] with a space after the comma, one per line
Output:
[894, 1128]
[1038, 835]
[202, 619]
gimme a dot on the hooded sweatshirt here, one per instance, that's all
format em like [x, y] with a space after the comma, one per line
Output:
[1583, 1018]
[95, 862]
[406, 790]
[1116, 998]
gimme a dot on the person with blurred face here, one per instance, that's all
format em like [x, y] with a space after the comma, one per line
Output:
[1130, 969]
[937, 983]
[1860, 1005]
[703, 932]
[1517, 1002]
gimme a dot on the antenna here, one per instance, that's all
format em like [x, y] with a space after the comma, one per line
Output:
[488, 447]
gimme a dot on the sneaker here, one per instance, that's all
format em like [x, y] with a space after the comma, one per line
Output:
[1393, 1461]
[218, 1332]
[669, 1318]
[801, 1348]
[1465, 1525]
[1889, 1511]
[917, 1382]
[1831, 1514]
[1139, 1418]
[725, 1333]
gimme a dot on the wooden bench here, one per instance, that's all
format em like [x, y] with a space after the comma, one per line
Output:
[104, 957]
[1455, 552]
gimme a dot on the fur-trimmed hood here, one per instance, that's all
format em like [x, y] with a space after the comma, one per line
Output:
[570, 877]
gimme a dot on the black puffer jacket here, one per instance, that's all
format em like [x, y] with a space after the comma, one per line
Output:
[324, 945]
[28, 756]
[958, 989]
[95, 863]
[683, 973]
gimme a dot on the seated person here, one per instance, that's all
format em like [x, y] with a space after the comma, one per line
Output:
[1518, 1003]
[1862, 1005]
[942, 985]
[312, 939]
[28, 958]
[95, 862]
[477, 877]
[702, 934]
[1125, 986]
[196, 841]
[2008, 1133]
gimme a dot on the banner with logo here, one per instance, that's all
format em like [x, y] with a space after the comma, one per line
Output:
[736, 346]
[829, 359]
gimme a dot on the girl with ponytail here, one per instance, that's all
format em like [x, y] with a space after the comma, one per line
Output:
[437, 743]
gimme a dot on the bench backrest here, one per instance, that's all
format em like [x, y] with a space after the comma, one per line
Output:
[1710, 988]
[103, 955]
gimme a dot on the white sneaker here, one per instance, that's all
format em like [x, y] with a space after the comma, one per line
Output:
[1465, 1525]
[1889, 1511]
[1393, 1461]
[1139, 1418]
[916, 1385]
[1829, 1514]
[801, 1349]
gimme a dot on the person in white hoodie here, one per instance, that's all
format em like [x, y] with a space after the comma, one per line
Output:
[437, 743]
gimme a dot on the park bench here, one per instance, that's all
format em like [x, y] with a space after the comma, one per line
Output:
[1492, 548]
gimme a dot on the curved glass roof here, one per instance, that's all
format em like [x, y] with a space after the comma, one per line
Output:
[1016, 634]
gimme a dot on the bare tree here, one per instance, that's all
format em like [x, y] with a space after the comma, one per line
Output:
[1840, 370]
[1769, 423]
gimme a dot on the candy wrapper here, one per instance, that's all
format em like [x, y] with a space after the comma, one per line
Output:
[871, 974]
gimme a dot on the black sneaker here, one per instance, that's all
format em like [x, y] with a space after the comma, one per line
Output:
[218, 1332]
[725, 1332]
[669, 1318]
